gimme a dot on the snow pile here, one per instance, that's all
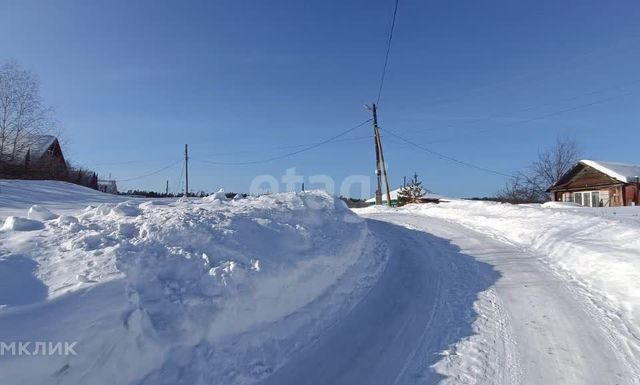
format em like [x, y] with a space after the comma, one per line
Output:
[40, 213]
[186, 292]
[21, 224]
[599, 252]
[217, 196]
[559, 205]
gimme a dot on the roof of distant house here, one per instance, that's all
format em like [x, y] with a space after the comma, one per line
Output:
[621, 171]
[35, 145]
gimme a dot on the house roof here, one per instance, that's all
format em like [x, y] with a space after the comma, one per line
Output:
[621, 171]
[36, 145]
[394, 196]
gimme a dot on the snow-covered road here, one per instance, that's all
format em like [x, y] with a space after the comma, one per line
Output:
[459, 306]
[393, 335]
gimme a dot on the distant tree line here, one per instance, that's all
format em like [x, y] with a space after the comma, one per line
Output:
[155, 194]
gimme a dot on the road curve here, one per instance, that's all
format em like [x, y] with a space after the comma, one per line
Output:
[457, 306]
[421, 304]
[554, 333]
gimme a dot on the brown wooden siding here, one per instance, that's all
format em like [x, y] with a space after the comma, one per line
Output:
[588, 178]
[630, 195]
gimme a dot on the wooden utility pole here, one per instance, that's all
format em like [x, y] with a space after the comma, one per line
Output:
[381, 168]
[186, 170]
[375, 143]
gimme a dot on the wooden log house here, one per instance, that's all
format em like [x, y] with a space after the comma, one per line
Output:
[599, 184]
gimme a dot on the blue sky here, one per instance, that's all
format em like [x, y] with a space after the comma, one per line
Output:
[487, 82]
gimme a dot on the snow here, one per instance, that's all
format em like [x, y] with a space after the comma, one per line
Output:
[623, 172]
[17, 196]
[21, 224]
[217, 196]
[150, 290]
[565, 306]
[597, 248]
[296, 288]
[40, 213]
[557, 205]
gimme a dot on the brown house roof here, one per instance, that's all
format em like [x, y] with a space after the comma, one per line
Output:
[610, 173]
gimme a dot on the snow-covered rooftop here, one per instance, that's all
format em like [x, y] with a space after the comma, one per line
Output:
[36, 145]
[621, 171]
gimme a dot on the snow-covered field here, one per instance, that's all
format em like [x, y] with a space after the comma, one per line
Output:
[295, 288]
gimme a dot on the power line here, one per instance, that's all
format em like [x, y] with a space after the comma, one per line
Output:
[386, 58]
[443, 156]
[289, 146]
[574, 108]
[150, 173]
[308, 148]
[122, 162]
[537, 117]
[575, 62]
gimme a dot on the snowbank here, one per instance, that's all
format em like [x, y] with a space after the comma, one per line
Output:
[193, 291]
[17, 196]
[599, 248]
[40, 213]
[559, 205]
[21, 224]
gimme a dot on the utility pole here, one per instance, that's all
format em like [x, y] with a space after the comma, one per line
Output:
[375, 143]
[381, 169]
[186, 170]
[166, 189]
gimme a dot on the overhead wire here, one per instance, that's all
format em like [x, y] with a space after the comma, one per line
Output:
[386, 57]
[443, 156]
[554, 113]
[287, 147]
[150, 173]
[575, 62]
[289, 154]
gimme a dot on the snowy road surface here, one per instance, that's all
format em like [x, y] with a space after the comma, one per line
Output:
[459, 306]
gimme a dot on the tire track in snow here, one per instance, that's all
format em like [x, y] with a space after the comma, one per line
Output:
[559, 336]
[395, 334]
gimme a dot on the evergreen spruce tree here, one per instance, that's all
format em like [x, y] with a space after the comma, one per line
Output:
[412, 192]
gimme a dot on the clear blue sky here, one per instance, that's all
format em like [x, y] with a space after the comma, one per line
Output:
[482, 81]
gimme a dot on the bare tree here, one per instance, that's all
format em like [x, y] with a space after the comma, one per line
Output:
[22, 111]
[531, 184]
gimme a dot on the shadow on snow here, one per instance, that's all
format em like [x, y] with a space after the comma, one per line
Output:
[420, 307]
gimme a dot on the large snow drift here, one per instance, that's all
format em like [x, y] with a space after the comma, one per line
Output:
[188, 292]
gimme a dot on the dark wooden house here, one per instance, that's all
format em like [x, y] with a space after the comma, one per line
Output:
[595, 184]
[34, 157]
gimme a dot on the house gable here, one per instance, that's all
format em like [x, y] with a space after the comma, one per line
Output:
[583, 176]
